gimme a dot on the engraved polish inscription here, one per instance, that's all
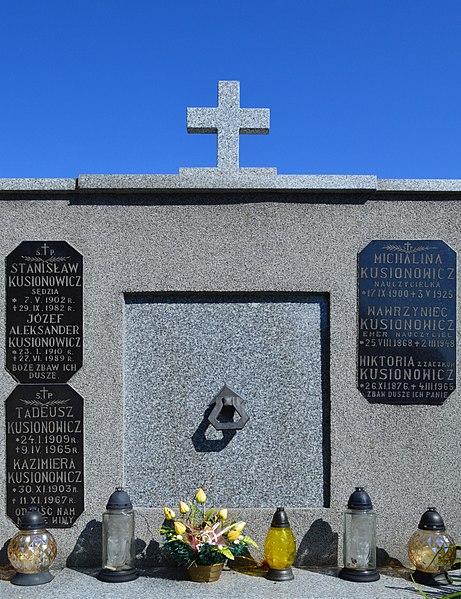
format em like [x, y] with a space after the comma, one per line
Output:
[44, 320]
[407, 322]
[44, 453]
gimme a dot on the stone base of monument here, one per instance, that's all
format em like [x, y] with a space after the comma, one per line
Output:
[164, 583]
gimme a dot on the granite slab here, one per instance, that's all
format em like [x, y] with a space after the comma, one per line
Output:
[37, 184]
[166, 583]
[212, 178]
[179, 353]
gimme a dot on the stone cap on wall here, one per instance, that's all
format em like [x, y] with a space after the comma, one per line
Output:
[202, 180]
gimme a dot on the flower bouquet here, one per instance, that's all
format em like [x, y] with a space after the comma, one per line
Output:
[201, 537]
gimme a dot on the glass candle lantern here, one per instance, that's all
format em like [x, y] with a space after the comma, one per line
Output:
[280, 548]
[359, 540]
[31, 551]
[431, 550]
[118, 541]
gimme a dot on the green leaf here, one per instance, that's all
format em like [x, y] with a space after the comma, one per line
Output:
[227, 552]
[179, 551]
[210, 513]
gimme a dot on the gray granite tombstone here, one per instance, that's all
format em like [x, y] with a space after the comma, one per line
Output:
[245, 278]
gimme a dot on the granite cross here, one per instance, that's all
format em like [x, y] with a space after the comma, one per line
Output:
[228, 120]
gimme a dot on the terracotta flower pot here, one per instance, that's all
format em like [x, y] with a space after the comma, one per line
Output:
[205, 573]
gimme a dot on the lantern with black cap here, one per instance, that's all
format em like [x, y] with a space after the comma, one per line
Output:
[280, 548]
[431, 550]
[32, 550]
[118, 540]
[359, 541]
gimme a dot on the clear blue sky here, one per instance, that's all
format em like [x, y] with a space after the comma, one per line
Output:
[354, 86]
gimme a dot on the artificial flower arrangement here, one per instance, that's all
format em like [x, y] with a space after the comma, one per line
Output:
[200, 536]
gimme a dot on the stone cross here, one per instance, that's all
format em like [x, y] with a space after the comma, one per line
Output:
[228, 120]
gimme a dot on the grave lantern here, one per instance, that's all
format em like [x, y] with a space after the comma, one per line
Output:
[118, 541]
[280, 548]
[31, 551]
[431, 550]
[359, 540]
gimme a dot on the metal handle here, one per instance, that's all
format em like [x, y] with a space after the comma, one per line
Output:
[226, 403]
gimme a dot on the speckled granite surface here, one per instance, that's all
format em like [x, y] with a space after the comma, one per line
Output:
[164, 584]
[179, 353]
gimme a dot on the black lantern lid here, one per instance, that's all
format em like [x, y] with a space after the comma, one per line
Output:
[32, 520]
[359, 500]
[119, 500]
[431, 520]
[280, 519]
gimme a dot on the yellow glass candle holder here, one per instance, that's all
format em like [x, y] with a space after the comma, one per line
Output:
[280, 548]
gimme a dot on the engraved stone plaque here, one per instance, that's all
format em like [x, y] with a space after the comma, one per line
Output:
[44, 453]
[44, 320]
[407, 322]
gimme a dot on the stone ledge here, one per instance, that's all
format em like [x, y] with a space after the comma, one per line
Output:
[246, 179]
[165, 583]
[37, 184]
[420, 185]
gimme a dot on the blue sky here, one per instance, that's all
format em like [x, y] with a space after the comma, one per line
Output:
[354, 86]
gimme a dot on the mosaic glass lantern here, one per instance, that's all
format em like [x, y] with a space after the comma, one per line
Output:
[118, 541]
[431, 550]
[359, 541]
[280, 548]
[31, 551]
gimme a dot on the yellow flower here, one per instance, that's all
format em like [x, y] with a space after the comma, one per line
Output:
[179, 528]
[183, 507]
[233, 535]
[238, 527]
[169, 514]
[222, 514]
[200, 496]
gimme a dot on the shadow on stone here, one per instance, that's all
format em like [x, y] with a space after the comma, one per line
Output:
[152, 562]
[200, 441]
[171, 573]
[151, 556]
[212, 199]
[88, 548]
[6, 569]
[4, 561]
[319, 546]
[384, 560]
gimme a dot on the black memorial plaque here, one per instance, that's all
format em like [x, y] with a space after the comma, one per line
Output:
[407, 322]
[44, 319]
[44, 453]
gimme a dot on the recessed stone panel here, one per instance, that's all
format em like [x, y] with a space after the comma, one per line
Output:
[271, 350]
